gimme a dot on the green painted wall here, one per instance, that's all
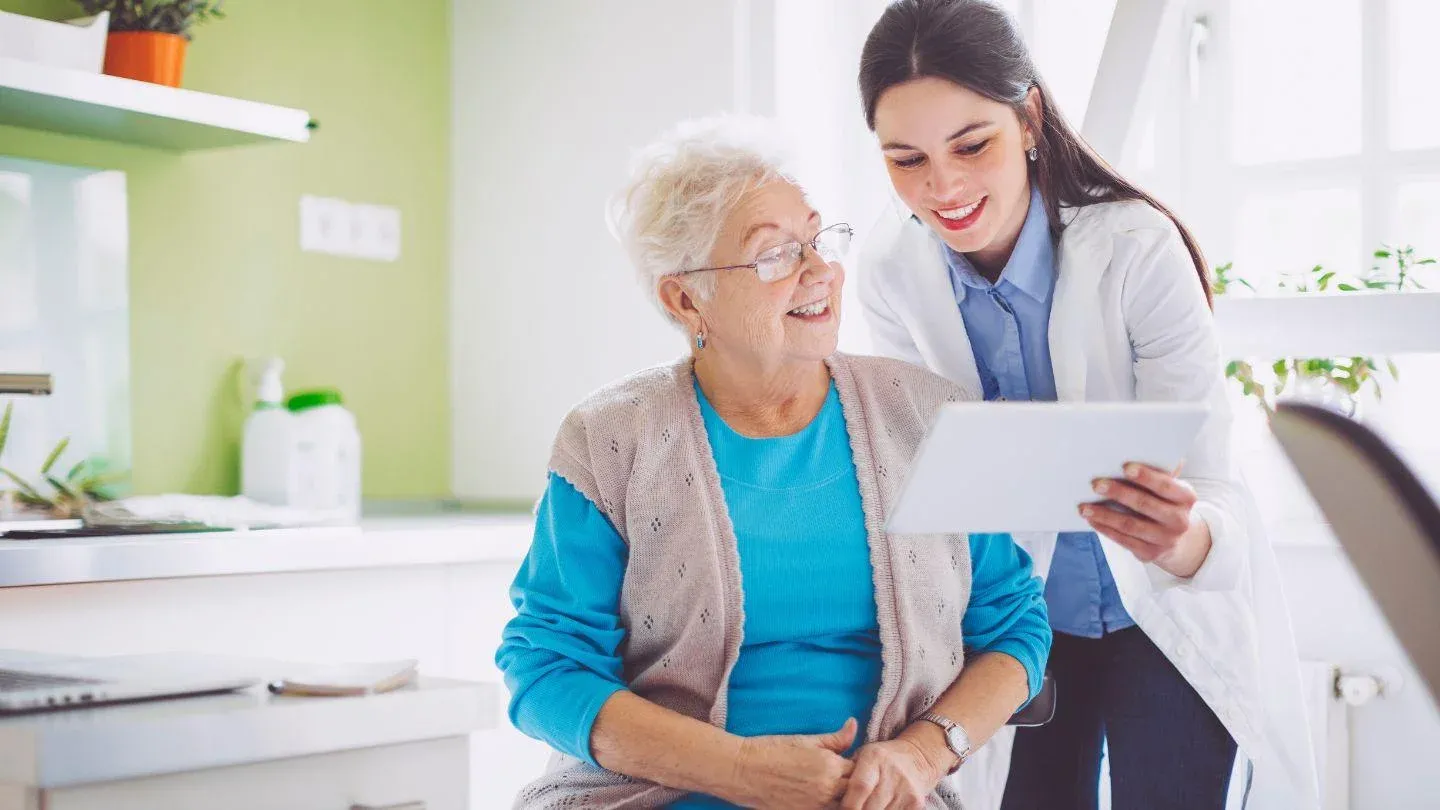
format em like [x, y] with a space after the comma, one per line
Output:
[216, 272]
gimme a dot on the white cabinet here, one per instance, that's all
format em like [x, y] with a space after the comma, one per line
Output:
[440, 597]
[429, 775]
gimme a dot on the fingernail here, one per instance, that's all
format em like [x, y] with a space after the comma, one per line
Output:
[1086, 510]
[1102, 487]
[1132, 470]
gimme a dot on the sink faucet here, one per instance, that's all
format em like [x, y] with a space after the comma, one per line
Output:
[34, 384]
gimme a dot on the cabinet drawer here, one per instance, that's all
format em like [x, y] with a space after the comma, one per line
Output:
[427, 775]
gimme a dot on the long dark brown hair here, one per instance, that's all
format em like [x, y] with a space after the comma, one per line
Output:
[974, 44]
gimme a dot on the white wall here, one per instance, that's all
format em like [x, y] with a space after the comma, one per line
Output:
[550, 100]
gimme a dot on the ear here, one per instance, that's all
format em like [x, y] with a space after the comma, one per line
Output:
[1035, 106]
[680, 303]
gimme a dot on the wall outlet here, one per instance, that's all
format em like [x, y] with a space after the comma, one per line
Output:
[340, 228]
[376, 232]
[324, 225]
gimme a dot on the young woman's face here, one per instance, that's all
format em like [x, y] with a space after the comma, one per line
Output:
[958, 160]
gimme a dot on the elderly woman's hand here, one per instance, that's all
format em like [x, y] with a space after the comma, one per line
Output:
[1159, 526]
[894, 774]
[795, 770]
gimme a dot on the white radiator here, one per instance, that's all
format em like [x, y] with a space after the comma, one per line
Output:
[1329, 696]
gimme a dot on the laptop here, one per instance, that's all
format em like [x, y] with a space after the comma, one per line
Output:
[30, 682]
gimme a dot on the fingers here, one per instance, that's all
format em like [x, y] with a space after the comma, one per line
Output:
[1108, 520]
[1170, 515]
[1104, 521]
[863, 781]
[840, 741]
[1163, 484]
[883, 796]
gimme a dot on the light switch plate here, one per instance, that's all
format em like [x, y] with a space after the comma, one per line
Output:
[354, 230]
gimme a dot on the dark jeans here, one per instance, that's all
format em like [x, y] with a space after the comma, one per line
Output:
[1166, 748]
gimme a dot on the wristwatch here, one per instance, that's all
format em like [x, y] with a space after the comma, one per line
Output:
[955, 737]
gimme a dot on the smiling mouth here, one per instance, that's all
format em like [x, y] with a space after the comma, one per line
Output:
[810, 312]
[956, 219]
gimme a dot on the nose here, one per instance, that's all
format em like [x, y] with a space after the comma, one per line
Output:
[945, 181]
[813, 267]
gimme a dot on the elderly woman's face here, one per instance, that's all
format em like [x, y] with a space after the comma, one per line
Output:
[792, 318]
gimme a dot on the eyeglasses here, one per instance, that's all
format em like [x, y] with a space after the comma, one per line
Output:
[781, 261]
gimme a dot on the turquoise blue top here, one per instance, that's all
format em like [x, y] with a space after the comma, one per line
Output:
[811, 651]
[1009, 324]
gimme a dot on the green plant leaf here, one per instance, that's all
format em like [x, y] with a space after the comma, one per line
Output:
[25, 487]
[5, 425]
[1351, 287]
[90, 484]
[64, 488]
[77, 469]
[54, 455]
[1382, 254]
[1392, 368]
[35, 500]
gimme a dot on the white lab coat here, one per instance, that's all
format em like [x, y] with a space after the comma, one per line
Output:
[1129, 322]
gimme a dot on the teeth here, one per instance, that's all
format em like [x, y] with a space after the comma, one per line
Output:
[816, 308]
[961, 213]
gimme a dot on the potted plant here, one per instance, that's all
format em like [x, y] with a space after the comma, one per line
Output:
[68, 494]
[1335, 381]
[148, 37]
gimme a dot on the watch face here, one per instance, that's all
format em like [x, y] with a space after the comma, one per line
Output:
[959, 741]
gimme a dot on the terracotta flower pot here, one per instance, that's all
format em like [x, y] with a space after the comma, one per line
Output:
[146, 56]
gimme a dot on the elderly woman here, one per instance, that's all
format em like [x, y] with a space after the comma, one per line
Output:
[711, 613]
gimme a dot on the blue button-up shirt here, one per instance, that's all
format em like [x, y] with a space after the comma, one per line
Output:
[1008, 323]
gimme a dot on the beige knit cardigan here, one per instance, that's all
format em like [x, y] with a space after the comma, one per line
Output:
[638, 451]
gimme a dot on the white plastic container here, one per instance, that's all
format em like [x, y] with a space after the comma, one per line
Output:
[266, 457]
[73, 45]
[325, 454]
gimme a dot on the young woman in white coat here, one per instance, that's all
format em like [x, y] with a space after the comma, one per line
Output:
[1026, 268]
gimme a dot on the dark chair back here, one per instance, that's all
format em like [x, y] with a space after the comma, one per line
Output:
[1384, 517]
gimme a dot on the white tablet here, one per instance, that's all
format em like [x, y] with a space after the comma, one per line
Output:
[1027, 466]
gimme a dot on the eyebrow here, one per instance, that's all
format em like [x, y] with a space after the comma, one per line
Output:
[760, 226]
[959, 133]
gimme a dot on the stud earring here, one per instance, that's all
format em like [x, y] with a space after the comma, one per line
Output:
[1034, 154]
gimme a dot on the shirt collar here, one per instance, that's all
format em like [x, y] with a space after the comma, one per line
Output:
[1031, 268]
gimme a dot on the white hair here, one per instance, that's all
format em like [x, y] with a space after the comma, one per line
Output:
[670, 211]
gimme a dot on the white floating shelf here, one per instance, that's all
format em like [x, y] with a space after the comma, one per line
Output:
[1317, 325]
[115, 109]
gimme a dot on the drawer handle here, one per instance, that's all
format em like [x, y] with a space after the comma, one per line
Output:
[400, 806]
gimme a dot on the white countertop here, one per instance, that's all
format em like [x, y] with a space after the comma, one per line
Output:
[375, 543]
[80, 746]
